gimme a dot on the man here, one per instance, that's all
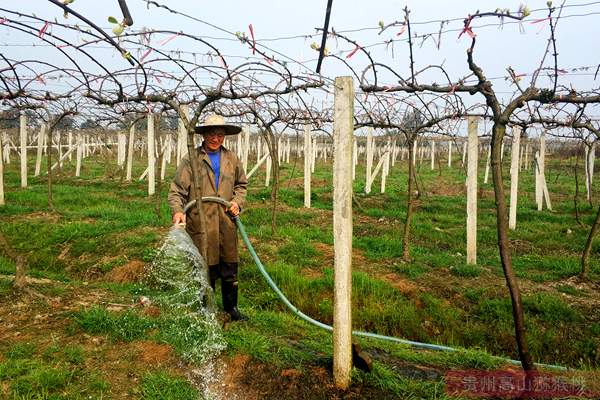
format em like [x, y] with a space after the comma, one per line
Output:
[222, 175]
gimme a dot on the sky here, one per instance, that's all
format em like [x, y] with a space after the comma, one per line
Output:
[287, 29]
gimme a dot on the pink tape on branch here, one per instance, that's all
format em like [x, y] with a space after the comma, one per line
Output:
[402, 30]
[167, 40]
[353, 51]
[146, 54]
[44, 29]
[537, 21]
[467, 28]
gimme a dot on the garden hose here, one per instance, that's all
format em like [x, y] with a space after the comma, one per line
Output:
[297, 312]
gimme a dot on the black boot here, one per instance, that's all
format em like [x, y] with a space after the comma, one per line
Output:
[229, 291]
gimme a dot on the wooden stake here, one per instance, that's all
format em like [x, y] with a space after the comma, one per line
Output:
[342, 231]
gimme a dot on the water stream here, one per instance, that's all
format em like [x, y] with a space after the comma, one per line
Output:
[178, 272]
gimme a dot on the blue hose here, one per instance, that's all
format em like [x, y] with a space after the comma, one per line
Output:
[296, 311]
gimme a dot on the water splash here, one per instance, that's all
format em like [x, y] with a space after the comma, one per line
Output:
[179, 272]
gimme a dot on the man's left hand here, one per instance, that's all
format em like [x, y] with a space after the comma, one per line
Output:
[234, 209]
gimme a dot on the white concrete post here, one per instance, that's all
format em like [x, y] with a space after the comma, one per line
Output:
[121, 145]
[307, 157]
[1, 175]
[258, 147]
[70, 144]
[432, 155]
[342, 231]
[370, 148]
[472, 191]
[414, 158]
[464, 153]
[590, 158]
[487, 164]
[538, 182]
[163, 164]
[514, 177]
[313, 155]
[520, 158]
[130, 152]
[59, 143]
[238, 149]
[259, 163]
[181, 135]
[151, 155]
[246, 134]
[354, 157]
[386, 168]
[40, 148]
[23, 136]
[268, 171]
[80, 149]
[449, 153]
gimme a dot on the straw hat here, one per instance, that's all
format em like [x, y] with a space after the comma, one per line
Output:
[217, 121]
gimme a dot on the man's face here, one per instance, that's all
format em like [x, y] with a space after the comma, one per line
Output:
[214, 138]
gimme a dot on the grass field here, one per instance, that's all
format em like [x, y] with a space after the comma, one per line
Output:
[78, 334]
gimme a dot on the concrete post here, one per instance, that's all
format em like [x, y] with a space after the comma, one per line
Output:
[307, 158]
[40, 149]
[151, 156]
[514, 178]
[472, 191]
[342, 231]
[80, 150]
[23, 136]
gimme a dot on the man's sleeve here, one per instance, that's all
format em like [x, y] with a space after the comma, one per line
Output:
[240, 184]
[179, 191]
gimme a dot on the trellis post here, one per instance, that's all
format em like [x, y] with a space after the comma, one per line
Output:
[342, 231]
[307, 157]
[514, 178]
[472, 191]
[151, 156]
[23, 136]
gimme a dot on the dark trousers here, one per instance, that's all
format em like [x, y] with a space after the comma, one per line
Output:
[227, 272]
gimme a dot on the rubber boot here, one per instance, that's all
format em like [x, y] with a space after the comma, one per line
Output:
[229, 291]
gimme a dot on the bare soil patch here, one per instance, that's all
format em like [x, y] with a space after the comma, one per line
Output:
[133, 271]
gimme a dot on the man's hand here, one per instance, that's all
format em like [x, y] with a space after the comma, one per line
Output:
[179, 218]
[234, 209]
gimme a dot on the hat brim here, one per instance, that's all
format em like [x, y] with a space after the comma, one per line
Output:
[229, 129]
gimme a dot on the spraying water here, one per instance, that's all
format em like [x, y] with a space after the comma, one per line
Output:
[178, 270]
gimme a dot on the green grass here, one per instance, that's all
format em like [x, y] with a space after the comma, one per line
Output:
[100, 223]
[126, 326]
[162, 386]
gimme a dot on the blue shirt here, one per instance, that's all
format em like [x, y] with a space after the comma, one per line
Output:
[215, 161]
